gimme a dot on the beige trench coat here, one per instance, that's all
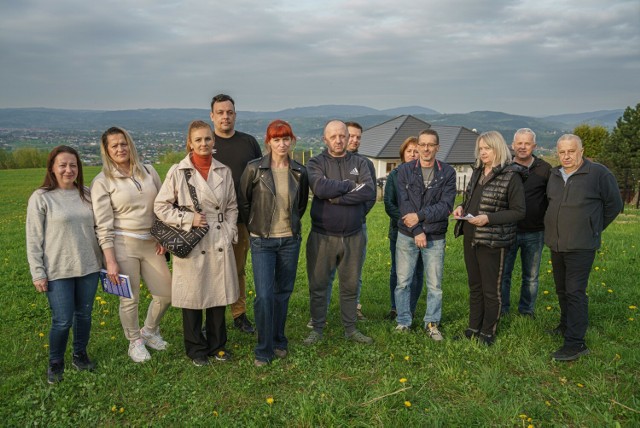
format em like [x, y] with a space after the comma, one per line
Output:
[207, 277]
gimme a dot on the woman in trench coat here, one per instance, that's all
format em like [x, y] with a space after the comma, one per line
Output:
[206, 279]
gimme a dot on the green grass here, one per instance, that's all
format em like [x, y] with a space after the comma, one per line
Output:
[454, 383]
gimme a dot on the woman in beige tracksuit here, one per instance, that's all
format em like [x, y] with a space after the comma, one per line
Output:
[122, 196]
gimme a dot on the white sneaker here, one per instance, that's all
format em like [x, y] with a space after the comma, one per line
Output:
[402, 329]
[138, 352]
[433, 332]
[153, 340]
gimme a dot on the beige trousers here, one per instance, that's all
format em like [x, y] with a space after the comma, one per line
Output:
[240, 252]
[137, 258]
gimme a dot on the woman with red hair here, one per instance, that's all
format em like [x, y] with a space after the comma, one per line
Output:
[273, 196]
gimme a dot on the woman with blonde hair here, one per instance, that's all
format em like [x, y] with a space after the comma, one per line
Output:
[206, 279]
[123, 195]
[493, 204]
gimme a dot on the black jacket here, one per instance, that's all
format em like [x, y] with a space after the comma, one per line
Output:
[342, 187]
[535, 195]
[433, 204]
[257, 192]
[580, 209]
[502, 200]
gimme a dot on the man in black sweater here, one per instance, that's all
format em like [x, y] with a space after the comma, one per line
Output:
[530, 232]
[235, 149]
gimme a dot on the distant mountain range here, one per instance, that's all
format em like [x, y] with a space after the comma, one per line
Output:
[306, 121]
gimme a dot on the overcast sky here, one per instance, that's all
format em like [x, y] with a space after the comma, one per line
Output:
[530, 57]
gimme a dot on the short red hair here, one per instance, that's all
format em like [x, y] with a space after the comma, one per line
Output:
[279, 129]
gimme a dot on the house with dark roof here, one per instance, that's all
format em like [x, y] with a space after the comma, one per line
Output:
[381, 144]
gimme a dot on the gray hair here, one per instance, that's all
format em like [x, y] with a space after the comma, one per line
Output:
[524, 131]
[571, 137]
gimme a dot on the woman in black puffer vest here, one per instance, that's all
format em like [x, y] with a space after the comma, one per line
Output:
[495, 200]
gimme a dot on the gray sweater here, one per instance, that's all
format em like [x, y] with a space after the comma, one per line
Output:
[61, 237]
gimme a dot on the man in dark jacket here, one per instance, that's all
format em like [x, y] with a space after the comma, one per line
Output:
[530, 231]
[584, 199]
[342, 186]
[426, 193]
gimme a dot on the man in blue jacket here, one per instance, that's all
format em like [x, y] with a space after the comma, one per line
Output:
[342, 186]
[426, 194]
[584, 199]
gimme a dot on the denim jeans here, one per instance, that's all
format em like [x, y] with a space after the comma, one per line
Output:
[407, 254]
[71, 303]
[416, 284]
[530, 245]
[274, 262]
[333, 272]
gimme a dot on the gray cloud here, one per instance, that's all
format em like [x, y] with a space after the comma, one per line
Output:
[526, 57]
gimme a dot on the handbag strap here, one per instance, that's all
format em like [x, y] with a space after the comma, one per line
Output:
[192, 190]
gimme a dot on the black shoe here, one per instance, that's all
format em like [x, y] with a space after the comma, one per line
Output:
[391, 315]
[558, 331]
[222, 355]
[570, 353]
[242, 323]
[471, 333]
[201, 361]
[81, 362]
[55, 371]
[487, 339]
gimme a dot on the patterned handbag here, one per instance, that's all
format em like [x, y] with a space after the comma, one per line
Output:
[175, 240]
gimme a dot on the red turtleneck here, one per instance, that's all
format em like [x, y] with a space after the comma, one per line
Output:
[202, 164]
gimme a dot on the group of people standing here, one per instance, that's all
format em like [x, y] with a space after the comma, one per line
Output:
[248, 200]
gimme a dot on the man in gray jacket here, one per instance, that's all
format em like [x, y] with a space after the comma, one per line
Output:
[583, 200]
[342, 186]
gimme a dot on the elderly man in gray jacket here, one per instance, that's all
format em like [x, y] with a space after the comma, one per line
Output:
[583, 200]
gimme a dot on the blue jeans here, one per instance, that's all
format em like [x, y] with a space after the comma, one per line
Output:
[274, 262]
[71, 303]
[530, 245]
[416, 284]
[333, 272]
[407, 254]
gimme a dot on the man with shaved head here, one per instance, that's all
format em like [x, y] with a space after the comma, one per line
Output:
[342, 187]
[584, 199]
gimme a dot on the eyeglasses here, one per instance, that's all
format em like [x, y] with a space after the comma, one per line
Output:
[430, 145]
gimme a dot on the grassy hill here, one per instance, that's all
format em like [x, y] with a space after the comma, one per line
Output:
[401, 380]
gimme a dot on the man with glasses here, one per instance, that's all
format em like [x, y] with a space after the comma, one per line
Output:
[530, 232]
[426, 194]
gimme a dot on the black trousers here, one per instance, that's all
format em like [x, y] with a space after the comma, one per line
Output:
[571, 274]
[484, 275]
[195, 343]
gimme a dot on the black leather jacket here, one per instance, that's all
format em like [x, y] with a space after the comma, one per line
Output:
[257, 194]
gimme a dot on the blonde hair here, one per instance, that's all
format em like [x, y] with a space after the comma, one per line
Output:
[197, 124]
[496, 142]
[108, 165]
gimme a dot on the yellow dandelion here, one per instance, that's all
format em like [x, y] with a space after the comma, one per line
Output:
[33, 305]
[121, 409]
[103, 302]
[114, 408]
[548, 262]
[548, 403]
[530, 426]
[113, 338]
[545, 292]
[41, 334]
[609, 291]
[603, 284]
[407, 404]
[98, 298]
[548, 308]
[403, 379]
[548, 270]
[250, 292]
[407, 358]
[633, 307]
[529, 420]
[522, 416]
[220, 353]
[215, 414]
[596, 268]
[103, 323]
[46, 345]
[106, 311]
[269, 400]
[617, 357]
[631, 318]
[580, 385]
